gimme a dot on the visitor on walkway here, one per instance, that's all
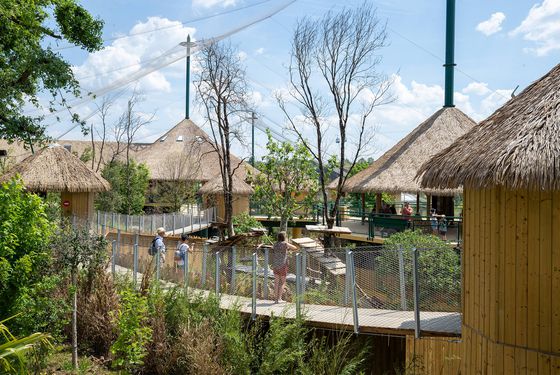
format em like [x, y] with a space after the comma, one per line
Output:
[159, 245]
[443, 227]
[434, 218]
[280, 265]
[181, 252]
[406, 210]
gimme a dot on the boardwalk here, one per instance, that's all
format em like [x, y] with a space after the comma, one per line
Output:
[377, 321]
[329, 262]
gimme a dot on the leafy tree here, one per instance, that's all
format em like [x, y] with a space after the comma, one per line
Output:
[29, 65]
[288, 172]
[76, 248]
[127, 198]
[24, 233]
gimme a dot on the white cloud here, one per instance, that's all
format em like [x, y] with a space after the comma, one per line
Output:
[477, 88]
[128, 55]
[542, 27]
[493, 101]
[491, 25]
[259, 51]
[242, 55]
[197, 4]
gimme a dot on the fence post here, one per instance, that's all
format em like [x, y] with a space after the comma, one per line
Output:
[233, 261]
[173, 222]
[354, 297]
[98, 225]
[163, 220]
[347, 279]
[118, 240]
[113, 257]
[303, 270]
[265, 274]
[402, 279]
[135, 266]
[112, 220]
[104, 221]
[126, 223]
[415, 292]
[204, 261]
[254, 299]
[186, 271]
[191, 223]
[298, 286]
[158, 264]
[217, 276]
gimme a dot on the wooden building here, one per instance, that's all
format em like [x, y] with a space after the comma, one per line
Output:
[213, 196]
[509, 167]
[55, 169]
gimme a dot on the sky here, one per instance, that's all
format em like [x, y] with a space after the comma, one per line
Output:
[501, 46]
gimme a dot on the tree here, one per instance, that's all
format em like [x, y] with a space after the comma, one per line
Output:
[24, 233]
[222, 90]
[337, 54]
[76, 248]
[129, 183]
[288, 171]
[29, 65]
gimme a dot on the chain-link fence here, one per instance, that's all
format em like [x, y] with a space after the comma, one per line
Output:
[395, 279]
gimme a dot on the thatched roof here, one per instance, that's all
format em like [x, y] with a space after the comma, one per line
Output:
[396, 169]
[215, 186]
[55, 169]
[518, 146]
[185, 153]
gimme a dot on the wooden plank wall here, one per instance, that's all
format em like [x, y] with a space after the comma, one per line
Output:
[433, 355]
[511, 282]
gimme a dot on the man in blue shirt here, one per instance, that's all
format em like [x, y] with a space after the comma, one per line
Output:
[160, 245]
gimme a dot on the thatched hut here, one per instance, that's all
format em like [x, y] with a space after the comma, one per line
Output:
[213, 195]
[509, 168]
[396, 169]
[55, 169]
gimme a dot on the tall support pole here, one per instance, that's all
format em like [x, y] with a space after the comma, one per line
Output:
[298, 285]
[354, 296]
[402, 280]
[363, 208]
[265, 273]
[187, 84]
[253, 118]
[347, 279]
[378, 202]
[416, 293]
[449, 53]
[204, 261]
[232, 260]
[135, 266]
[254, 295]
[217, 276]
[186, 271]
[113, 257]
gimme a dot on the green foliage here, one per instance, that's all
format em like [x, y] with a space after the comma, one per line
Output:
[244, 222]
[14, 351]
[128, 188]
[439, 269]
[43, 307]
[130, 348]
[288, 171]
[53, 207]
[174, 194]
[28, 64]
[24, 232]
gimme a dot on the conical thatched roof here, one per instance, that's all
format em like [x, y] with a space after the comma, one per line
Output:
[55, 169]
[215, 186]
[518, 146]
[396, 169]
[185, 153]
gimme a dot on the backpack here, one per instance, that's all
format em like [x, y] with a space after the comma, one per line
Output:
[152, 250]
[178, 255]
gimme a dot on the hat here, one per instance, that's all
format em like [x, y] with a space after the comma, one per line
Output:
[160, 230]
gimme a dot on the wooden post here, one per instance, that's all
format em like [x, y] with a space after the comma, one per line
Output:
[378, 202]
[363, 208]
[428, 203]
[417, 203]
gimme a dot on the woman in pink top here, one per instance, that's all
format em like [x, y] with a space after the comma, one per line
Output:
[280, 264]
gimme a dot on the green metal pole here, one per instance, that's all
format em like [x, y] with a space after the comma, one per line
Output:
[188, 76]
[449, 53]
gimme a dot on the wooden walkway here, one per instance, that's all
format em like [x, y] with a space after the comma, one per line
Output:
[329, 262]
[373, 321]
[196, 227]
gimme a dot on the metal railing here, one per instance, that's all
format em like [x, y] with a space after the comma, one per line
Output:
[180, 222]
[359, 279]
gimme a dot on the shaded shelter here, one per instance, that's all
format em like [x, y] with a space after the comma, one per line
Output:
[213, 195]
[55, 169]
[509, 168]
[395, 171]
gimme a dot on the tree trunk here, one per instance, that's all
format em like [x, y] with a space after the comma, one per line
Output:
[74, 321]
[283, 223]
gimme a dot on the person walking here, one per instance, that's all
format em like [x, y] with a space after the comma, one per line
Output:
[181, 252]
[158, 244]
[280, 264]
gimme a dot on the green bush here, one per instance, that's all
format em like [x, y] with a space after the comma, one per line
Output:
[243, 223]
[439, 270]
[134, 333]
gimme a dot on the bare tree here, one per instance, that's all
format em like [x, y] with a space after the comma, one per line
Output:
[103, 112]
[334, 73]
[222, 90]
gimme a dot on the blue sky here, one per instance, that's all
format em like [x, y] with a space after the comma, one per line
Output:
[500, 44]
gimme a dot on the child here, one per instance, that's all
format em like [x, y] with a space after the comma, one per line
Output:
[443, 227]
[181, 252]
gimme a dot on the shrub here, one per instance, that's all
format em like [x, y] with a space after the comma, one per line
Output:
[244, 223]
[134, 334]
